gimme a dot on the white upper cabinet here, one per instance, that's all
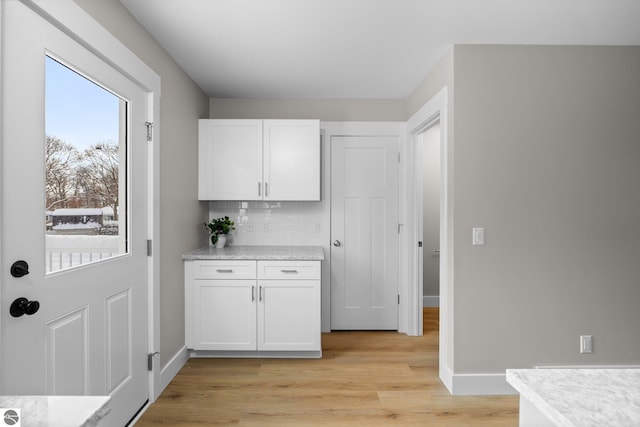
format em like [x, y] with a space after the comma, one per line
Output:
[229, 159]
[259, 160]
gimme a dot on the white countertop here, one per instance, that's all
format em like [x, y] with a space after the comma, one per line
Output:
[582, 397]
[58, 411]
[289, 253]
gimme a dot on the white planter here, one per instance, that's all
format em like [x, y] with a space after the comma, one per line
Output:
[222, 240]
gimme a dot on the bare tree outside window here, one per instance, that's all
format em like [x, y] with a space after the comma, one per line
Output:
[85, 123]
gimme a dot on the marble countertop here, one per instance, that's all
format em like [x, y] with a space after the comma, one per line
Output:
[274, 253]
[59, 411]
[582, 397]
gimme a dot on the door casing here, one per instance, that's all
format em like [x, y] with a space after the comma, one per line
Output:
[330, 129]
[433, 111]
[74, 21]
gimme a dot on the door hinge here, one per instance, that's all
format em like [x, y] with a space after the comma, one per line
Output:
[149, 247]
[398, 157]
[398, 299]
[419, 244]
[399, 228]
[150, 360]
[149, 131]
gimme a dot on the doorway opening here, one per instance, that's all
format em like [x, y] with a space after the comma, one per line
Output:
[430, 125]
[428, 219]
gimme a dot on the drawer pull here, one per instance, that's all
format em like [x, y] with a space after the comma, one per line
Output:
[288, 271]
[253, 293]
[220, 270]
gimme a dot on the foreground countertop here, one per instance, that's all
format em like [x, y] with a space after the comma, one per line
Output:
[275, 253]
[582, 397]
[59, 411]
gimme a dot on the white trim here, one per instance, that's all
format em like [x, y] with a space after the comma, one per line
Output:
[79, 25]
[435, 109]
[153, 233]
[172, 367]
[395, 129]
[169, 372]
[1, 186]
[430, 301]
[446, 376]
[587, 367]
[481, 385]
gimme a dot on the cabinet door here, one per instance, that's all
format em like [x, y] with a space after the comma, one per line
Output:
[289, 315]
[224, 315]
[230, 160]
[292, 159]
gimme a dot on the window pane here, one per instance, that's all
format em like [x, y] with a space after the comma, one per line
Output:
[85, 163]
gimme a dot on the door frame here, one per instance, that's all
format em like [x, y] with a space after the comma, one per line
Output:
[435, 110]
[329, 130]
[80, 26]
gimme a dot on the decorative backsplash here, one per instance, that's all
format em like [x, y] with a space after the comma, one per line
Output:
[273, 223]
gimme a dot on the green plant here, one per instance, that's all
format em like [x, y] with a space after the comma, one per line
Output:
[219, 226]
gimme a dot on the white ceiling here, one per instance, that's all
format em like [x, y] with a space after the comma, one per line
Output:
[359, 48]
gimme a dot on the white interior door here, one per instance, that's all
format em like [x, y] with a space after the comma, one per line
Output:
[90, 333]
[364, 232]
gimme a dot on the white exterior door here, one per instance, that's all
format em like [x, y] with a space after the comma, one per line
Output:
[364, 232]
[90, 333]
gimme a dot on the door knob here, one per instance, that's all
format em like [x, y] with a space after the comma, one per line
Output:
[337, 243]
[19, 268]
[23, 306]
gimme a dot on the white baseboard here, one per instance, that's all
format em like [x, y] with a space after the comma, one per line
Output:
[446, 376]
[172, 368]
[587, 367]
[481, 385]
[457, 384]
[496, 384]
[430, 301]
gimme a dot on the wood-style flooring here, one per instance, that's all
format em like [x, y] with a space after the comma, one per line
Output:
[364, 379]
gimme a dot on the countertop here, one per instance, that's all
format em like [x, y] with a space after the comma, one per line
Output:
[273, 253]
[582, 397]
[59, 411]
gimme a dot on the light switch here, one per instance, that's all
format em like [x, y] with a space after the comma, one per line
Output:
[478, 236]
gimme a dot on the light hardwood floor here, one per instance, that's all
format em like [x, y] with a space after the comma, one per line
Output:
[364, 378]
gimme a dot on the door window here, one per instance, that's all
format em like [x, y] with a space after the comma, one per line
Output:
[85, 169]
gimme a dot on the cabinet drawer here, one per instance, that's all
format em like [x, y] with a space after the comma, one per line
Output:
[289, 270]
[228, 270]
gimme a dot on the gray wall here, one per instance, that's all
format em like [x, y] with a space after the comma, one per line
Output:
[181, 215]
[431, 211]
[322, 109]
[547, 157]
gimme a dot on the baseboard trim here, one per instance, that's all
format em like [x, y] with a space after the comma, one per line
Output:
[446, 376]
[430, 301]
[172, 368]
[496, 384]
[480, 385]
[587, 367]
[457, 384]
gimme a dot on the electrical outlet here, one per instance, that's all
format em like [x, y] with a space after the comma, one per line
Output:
[586, 344]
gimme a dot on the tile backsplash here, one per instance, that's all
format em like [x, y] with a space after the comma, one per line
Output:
[273, 223]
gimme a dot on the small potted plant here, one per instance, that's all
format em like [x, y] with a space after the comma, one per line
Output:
[218, 229]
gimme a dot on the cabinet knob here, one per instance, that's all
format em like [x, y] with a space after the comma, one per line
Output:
[337, 243]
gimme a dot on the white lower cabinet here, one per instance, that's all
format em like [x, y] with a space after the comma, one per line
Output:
[253, 308]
